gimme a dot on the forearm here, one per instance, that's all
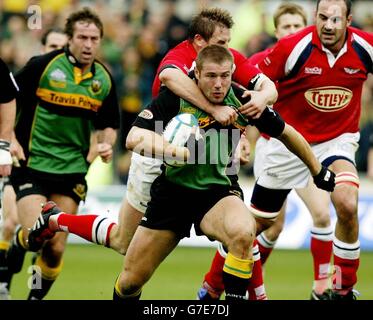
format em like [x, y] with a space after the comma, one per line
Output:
[181, 85]
[107, 135]
[7, 120]
[268, 89]
[295, 142]
[150, 144]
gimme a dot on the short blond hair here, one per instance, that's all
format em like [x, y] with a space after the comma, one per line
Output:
[290, 8]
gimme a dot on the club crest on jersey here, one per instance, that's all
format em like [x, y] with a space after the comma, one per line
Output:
[96, 86]
[328, 99]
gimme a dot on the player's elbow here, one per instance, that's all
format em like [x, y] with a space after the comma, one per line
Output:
[132, 139]
[167, 75]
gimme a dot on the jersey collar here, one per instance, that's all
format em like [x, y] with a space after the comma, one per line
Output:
[78, 74]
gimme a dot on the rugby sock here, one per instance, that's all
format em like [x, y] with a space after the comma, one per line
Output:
[236, 275]
[321, 250]
[214, 278]
[43, 278]
[256, 287]
[15, 256]
[265, 247]
[4, 246]
[118, 296]
[346, 264]
[93, 228]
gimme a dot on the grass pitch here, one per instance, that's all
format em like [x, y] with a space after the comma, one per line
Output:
[90, 271]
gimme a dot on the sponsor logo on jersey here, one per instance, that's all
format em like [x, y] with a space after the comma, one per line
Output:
[314, 70]
[206, 121]
[25, 186]
[68, 99]
[146, 114]
[58, 79]
[267, 61]
[351, 71]
[327, 99]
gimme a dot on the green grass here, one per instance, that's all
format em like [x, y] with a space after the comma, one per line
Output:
[89, 273]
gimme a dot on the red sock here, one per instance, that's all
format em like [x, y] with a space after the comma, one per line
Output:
[214, 277]
[321, 252]
[256, 285]
[93, 228]
[265, 247]
[346, 264]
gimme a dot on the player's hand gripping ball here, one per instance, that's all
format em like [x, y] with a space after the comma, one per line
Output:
[179, 132]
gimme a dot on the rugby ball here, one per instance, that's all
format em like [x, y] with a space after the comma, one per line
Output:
[178, 131]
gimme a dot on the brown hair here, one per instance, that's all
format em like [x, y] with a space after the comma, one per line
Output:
[207, 20]
[290, 8]
[214, 53]
[85, 15]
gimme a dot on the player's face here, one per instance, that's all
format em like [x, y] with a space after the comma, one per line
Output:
[54, 41]
[221, 37]
[214, 80]
[85, 42]
[331, 23]
[288, 24]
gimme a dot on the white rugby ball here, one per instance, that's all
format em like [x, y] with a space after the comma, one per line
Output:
[178, 131]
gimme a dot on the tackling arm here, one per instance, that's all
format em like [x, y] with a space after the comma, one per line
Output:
[294, 141]
[182, 86]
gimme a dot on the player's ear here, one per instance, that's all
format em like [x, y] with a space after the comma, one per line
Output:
[196, 73]
[349, 20]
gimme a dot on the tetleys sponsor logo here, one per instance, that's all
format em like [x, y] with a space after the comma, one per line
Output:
[146, 114]
[327, 99]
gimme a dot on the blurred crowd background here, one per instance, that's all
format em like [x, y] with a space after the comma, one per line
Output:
[137, 35]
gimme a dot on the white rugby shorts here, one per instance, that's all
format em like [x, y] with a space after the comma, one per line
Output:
[142, 173]
[275, 167]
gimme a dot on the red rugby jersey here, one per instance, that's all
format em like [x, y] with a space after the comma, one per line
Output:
[183, 55]
[320, 95]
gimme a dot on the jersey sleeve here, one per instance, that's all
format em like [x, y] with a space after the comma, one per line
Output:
[269, 123]
[9, 86]
[108, 115]
[174, 59]
[159, 112]
[28, 79]
[273, 65]
[245, 72]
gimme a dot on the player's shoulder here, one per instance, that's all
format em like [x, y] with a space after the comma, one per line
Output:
[356, 32]
[184, 48]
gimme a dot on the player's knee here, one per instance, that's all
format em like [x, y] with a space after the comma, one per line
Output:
[346, 210]
[321, 219]
[241, 239]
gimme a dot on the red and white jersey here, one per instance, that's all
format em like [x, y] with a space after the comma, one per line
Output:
[320, 94]
[184, 55]
[259, 56]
